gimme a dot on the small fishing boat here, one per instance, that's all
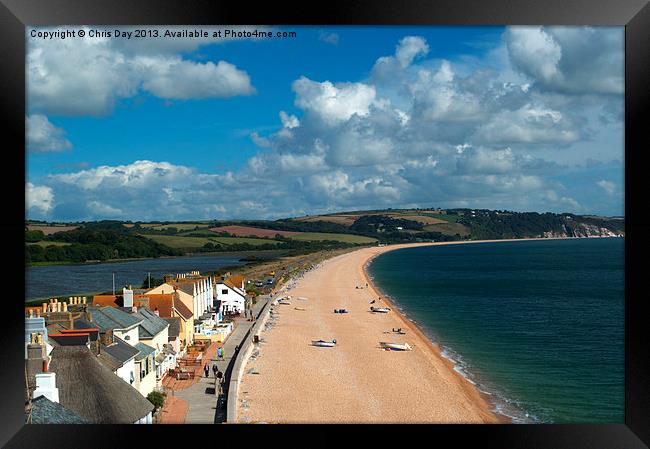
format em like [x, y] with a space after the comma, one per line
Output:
[395, 346]
[323, 343]
[379, 309]
[340, 310]
[300, 308]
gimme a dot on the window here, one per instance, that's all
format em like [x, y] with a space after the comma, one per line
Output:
[224, 291]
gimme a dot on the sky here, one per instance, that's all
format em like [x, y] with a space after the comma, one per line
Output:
[333, 119]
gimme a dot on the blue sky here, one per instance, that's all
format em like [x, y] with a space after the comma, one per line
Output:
[336, 118]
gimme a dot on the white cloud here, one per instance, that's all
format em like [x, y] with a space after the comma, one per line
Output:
[409, 48]
[333, 103]
[608, 186]
[87, 76]
[38, 197]
[175, 78]
[530, 124]
[330, 38]
[289, 121]
[574, 60]
[446, 133]
[43, 136]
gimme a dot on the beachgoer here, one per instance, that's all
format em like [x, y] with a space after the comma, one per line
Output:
[206, 370]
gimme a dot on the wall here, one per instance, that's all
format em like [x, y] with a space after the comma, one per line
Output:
[245, 351]
[124, 372]
[133, 334]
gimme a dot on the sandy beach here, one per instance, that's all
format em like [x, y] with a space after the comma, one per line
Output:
[290, 381]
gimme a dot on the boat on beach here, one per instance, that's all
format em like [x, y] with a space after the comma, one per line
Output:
[379, 309]
[300, 308]
[323, 343]
[395, 346]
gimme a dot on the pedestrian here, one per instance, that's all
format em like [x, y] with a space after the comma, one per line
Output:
[219, 353]
[206, 370]
[236, 349]
[215, 369]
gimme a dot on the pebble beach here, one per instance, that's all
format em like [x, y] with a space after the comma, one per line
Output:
[288, 380]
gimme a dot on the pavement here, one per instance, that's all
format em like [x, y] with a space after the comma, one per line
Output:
[194, 400]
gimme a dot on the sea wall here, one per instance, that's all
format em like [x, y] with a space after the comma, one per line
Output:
[245, 351]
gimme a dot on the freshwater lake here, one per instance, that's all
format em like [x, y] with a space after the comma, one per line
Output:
[59, 280]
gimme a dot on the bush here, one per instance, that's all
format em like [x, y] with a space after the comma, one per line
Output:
[157, 399]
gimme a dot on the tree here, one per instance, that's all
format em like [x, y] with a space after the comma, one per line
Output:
[157, 399]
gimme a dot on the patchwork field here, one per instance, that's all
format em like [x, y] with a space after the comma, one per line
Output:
[180, 242]
[49, 230]
[448, 228]
[347, 238]
[345, 220]
[179, 226]
[245, 231]
[424, 219]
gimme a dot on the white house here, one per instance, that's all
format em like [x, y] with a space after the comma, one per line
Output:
[231, 295]
[189, 285]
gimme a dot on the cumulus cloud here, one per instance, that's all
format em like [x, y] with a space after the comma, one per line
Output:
[415, 132]
[409, 48]
[577, 60]
[87, 76]
[43, 136]
[333, 103]
[40, 198]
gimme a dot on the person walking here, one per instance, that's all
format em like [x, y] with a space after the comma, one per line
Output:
[206, 370]
[215, 369]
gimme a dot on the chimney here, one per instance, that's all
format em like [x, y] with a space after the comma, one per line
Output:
[65, 306]
[84, 299]
[44, 306]
[156, 312]
[38, 313]
[127, 295]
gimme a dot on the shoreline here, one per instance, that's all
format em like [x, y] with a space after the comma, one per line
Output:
[473, 391]
[426, 389]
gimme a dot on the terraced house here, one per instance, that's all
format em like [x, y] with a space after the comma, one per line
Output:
[194, 290]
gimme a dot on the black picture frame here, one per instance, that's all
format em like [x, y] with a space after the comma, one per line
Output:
[15, 15]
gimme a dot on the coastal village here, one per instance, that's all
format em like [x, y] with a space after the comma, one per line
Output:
[129, 357]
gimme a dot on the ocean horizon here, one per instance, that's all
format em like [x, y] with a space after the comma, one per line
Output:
[537, 325]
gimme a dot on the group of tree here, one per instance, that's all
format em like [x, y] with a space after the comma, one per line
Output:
[96, 242]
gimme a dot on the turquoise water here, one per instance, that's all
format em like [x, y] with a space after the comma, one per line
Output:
[538, 325]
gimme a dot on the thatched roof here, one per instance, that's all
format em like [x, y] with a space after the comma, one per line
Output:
[93, 391]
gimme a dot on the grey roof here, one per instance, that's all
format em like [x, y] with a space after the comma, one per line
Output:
[82, 323]
[112, 318]
[174, 326]
[151, 324]
[45, 411]
[109, 361]
[93, 391]
[120, 350]
[144, 351]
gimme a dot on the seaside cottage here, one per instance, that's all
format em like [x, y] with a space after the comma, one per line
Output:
[166, 305]
[126, 326]
[195, 291]
[231, 296]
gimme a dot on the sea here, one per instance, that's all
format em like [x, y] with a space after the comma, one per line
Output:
[537, 325]
[89, 278]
